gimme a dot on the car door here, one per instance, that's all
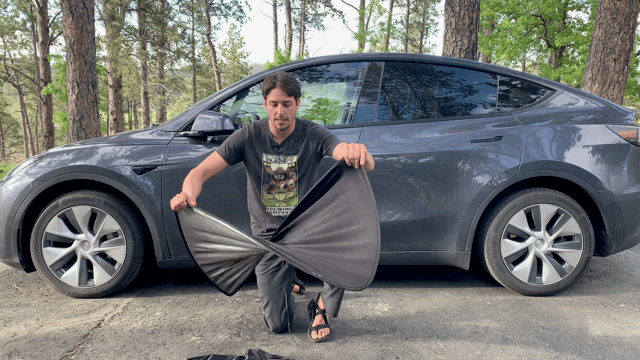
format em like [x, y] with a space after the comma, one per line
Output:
[440, 146]
[329, 95]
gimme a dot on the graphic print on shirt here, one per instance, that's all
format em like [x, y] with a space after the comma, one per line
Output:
[279, 183]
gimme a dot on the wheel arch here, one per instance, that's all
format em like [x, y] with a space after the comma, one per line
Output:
[579, 190]
[60, 185]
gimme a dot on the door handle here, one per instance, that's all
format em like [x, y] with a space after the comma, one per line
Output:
[493, 139]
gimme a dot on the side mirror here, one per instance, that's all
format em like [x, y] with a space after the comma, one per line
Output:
[209, 123]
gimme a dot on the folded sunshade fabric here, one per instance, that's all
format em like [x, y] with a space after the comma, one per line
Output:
[252, 354]
[333, 234]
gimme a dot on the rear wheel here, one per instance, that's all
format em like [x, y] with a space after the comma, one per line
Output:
[536, 242]
[88, 244]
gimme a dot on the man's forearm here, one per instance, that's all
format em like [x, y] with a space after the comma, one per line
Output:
[210, 167]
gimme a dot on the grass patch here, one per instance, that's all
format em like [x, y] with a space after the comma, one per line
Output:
[6, 166]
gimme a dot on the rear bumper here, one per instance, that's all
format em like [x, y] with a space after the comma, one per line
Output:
[623, 204]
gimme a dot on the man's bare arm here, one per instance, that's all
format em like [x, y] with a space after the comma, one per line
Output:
[355, 155]
[192, 185]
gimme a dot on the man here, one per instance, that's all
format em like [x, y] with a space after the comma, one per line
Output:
[281, 155]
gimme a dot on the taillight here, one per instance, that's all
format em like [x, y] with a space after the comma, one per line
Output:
[627, 132]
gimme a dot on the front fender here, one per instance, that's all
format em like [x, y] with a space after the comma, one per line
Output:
[143, 191]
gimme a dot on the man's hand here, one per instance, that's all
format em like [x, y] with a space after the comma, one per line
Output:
[180, 201]
[355, 155]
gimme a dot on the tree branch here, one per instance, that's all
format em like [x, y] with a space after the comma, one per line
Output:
[355, 8]
[54, 18]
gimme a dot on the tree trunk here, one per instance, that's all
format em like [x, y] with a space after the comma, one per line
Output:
[78, 29]
[115, 100]
[406, 27]
[135, 114]
[361, 26]
[194, 84]
[24, 118]
[161, 108]
[143, 57]
[303, 15]
[275, 25]
[114, 23]
[212, 48]
[484, 57]
[608, 61]
[130, 114]
[389, 23]
[461, 19]
[287, 10]
[46, 123]
[36, 78]
[3, 150]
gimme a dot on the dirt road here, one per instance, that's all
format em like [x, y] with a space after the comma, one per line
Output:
[407, 313]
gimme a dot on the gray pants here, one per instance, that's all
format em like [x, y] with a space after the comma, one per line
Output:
[275, 282]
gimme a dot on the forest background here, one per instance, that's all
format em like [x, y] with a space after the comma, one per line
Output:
[151, 59]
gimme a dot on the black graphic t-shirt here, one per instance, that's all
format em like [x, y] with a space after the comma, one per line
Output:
[278, 175]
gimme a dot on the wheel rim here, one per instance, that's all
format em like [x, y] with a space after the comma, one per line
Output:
[542, 244]
[84, 246]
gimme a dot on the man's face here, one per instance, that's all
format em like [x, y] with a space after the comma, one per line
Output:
[281, 109]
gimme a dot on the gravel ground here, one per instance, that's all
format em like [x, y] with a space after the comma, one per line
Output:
[409, 312]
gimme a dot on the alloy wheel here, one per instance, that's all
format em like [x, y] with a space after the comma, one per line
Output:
[542, 244]
[84, 246]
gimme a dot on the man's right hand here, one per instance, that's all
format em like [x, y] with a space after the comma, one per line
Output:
[180, 201]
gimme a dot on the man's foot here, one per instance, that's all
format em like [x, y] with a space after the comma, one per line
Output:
[319, 329]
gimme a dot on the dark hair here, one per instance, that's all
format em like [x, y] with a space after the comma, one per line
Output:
[282, 80]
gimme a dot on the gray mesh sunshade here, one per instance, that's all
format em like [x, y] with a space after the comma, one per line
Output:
[332, 234]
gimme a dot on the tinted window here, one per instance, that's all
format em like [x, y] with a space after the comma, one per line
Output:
[514, 93]
[329, 95]
[418, 91]
[368, 102]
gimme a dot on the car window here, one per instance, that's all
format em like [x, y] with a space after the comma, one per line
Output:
[329, 95]
[515, 93]
[368, 102]
[419, 91]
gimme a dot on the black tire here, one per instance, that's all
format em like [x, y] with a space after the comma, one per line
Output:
[518, 249]
[70, 257]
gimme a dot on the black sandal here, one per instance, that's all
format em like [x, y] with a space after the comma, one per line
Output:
[314, 311]
[301, 288]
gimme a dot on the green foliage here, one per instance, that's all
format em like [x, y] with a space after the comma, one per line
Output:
[6, 166]
[632, 94]
[11, 127]
[58, 86]
[369, 29]
[323, 110]
[279, 57]
[550, 37]
[233, 65]
[323, 103]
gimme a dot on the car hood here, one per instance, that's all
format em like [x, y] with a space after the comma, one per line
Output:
[149, 136]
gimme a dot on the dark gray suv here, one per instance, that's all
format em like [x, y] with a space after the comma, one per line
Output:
[531, 176]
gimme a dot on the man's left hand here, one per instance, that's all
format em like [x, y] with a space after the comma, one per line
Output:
[355, 155]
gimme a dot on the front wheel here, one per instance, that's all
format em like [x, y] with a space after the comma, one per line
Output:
[536, 242]
[88, 244]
